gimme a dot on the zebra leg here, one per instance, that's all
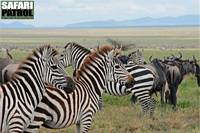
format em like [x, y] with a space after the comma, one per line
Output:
[16, 124]
[33, 128]
[83, 127]
[151, 107]
[78, 128]
[100, 103]
[145, 105]
[133, 99]
[85, 123]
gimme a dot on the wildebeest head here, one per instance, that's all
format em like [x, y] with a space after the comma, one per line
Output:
[196, 69]
[191, 66]
[124, 59]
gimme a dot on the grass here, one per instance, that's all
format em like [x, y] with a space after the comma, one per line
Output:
[118, 115]
[168, 37]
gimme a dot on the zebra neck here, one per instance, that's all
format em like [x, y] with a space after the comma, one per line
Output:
[31, 82]
[94, 85]
[78, 59]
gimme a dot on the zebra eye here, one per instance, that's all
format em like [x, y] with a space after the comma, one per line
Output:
[54, 67]
[117, 66]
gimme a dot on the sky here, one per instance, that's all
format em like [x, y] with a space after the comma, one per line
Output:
[63, 12]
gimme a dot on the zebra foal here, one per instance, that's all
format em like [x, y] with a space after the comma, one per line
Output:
[20, 96]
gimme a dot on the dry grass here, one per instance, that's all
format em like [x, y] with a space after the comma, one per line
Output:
[171, 37]
[118, 116]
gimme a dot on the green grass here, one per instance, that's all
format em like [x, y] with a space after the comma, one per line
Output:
[118, 115]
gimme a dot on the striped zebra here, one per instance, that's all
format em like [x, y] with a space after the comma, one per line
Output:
[136, 58]
[20, 96]
[58, 109]
[73, 54]
[143, 79]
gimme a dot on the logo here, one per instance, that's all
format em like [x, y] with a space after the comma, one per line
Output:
[17, 9]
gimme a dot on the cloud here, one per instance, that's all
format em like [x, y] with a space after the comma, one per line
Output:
[62, 12]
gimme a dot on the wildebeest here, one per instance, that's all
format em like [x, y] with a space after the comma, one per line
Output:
[8, 59]
[176, 71]
[8, 71]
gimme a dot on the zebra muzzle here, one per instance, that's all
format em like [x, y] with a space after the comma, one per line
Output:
[70, 85]
[130, 82]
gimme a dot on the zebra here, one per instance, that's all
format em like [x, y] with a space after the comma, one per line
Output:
[73, 54]
[136, 58]
[143, 78]
[58, 109]
[20, 96]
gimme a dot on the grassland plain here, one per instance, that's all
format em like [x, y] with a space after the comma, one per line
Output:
[119, 116]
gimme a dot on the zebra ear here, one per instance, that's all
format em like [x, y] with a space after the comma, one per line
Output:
[44, 59]
[111, 55]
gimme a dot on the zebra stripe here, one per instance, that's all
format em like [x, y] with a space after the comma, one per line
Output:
[58, 109]
[20, 96]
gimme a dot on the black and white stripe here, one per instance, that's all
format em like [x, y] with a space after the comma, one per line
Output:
[20, 96]
[58, 109]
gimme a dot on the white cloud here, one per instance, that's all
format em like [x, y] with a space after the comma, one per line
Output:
[62, 12]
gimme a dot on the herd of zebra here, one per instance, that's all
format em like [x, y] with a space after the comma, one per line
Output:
[39, 92]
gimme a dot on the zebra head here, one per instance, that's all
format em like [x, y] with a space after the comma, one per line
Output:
[53, 72]
[73, 54]
[117, 71]
[65, 57]
[136, 57]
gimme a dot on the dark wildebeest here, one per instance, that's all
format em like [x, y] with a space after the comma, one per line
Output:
[175, 73]
[5, 61]
[124, 59]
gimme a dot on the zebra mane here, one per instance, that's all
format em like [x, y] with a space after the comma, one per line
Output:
[91, 57]
[45, 51]
[50, 51]
[76, 45]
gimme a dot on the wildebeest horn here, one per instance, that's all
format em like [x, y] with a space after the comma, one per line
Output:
[194, 59]
[180, 55]
[150, 58]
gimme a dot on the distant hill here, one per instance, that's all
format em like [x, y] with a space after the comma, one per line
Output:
[15, 25]
[187, 20]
